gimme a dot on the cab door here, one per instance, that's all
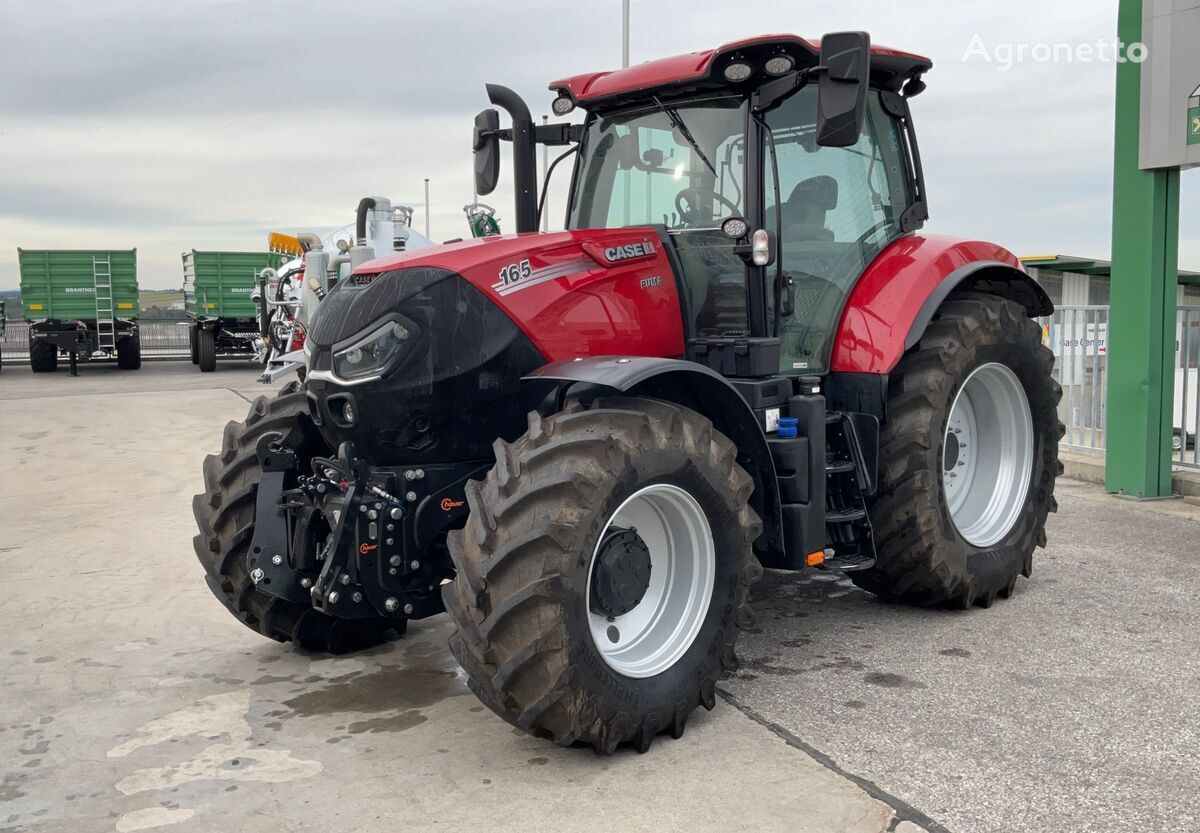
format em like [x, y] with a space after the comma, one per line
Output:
[837, 209]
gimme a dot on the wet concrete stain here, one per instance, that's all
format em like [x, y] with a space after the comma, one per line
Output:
[10, 787]
[955, 652]
[388, 689]
[838, 663]
[798, 642]
[397, 723]
[765, 666]
[889, 680]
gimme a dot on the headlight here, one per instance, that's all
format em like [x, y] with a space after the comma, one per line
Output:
[370, 355]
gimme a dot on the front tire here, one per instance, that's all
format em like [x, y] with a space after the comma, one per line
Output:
[43, 356]
[527, 596]
[968, 458]
[225, 516]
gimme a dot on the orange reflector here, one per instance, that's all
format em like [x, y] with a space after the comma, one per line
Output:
[815, 558]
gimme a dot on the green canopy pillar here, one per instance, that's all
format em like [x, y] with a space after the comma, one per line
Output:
[1141, 338]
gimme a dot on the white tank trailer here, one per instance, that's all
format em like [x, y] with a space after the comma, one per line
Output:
[298, 285]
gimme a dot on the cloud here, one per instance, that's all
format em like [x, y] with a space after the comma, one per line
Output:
[208, 123]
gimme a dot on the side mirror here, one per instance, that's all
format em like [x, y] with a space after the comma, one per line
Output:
[842, 100]
[486, 144]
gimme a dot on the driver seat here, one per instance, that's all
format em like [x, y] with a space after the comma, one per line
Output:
[805, 210]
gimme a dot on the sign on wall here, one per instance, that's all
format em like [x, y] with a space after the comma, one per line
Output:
[1194, 117]
[1170, 117]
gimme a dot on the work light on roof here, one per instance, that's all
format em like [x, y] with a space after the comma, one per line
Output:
[779, 65]
[738, 71]
[562, 105]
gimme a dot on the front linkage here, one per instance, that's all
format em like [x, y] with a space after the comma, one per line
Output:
[354, 541]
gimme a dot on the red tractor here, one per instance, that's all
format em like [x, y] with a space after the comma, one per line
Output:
[583, 444]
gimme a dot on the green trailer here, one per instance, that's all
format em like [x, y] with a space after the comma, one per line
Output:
[219, 294]
[82, 303]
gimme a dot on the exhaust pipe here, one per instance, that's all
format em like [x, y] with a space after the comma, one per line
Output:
[524, 165]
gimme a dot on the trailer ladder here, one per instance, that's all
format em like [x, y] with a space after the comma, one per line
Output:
[106, 324]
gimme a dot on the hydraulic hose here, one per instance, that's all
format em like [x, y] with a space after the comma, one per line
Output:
[360, 220]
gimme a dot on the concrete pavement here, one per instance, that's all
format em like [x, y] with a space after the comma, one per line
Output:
[131, 700]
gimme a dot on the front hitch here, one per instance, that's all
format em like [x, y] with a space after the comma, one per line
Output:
[325, 540]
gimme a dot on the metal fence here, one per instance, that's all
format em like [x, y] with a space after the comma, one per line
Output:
[161, 338]
[1079, 338]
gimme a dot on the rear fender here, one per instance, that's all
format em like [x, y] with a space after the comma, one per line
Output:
[693, 386]
[900, 292]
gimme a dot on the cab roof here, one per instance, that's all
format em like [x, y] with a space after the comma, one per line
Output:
[890, 68]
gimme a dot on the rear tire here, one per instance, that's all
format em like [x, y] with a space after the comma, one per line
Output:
[193, 346]
[206, 351]
[923, 557]
[225, 516]
[129, 353]
[522, 602]
[43, 356]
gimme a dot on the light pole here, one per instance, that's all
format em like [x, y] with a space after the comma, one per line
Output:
[427, 208]
[624, 33]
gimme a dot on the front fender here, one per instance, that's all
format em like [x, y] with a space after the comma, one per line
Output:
[702, 390]
[899, 293]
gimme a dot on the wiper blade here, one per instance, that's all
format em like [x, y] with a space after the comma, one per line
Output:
[678, 124]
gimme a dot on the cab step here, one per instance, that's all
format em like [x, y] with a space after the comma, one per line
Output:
[845, 516]
[848, 531]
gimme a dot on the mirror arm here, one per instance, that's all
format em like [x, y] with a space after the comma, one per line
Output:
[775, 91]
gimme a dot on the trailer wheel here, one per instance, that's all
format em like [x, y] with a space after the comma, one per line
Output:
[225, 516]
[603, 572]
[206, 350]
[968, 458]
[43, 356]
[129, 353]
[193, 346]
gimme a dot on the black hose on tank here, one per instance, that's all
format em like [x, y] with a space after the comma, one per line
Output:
[360, 220]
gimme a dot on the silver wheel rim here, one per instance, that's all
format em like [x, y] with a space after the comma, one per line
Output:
[987, 454]
[653, 636]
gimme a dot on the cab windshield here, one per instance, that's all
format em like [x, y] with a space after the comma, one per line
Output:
[679, 166]
[674, 165]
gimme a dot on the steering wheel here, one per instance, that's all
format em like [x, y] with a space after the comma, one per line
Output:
[689, 200]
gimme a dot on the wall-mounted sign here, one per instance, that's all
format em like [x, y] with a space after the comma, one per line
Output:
[1170, 74]
[1193, 135]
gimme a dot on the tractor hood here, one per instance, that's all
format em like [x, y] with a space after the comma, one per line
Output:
[573, 293]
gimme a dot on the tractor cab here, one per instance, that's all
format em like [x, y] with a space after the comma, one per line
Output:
[776, 172]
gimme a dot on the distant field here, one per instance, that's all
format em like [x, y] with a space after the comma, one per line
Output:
[160, 297]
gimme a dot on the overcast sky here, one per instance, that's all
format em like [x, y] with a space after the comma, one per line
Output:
[206, 124]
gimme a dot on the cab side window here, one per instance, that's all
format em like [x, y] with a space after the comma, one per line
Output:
[837, 209]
